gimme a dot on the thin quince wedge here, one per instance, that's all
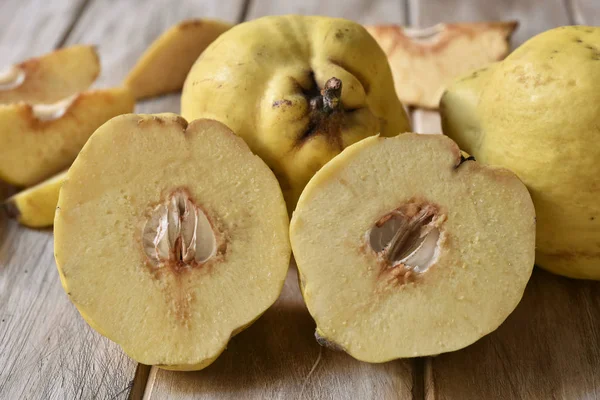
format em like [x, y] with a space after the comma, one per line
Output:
[35, 207]
[41, 140]
[406, 249]
[51, 77]
[165, 64]
[170, 238]
[425, 61]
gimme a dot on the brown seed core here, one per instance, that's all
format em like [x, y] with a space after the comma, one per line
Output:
[407, 237]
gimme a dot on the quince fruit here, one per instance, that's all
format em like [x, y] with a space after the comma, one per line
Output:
[170, 238]
[298, 90]
[420, 252]
[537, 113]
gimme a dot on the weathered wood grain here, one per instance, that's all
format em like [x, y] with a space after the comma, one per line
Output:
[46, 350]
[32, 27]
[364, 11]
[585, 12]
[278, 357]
[122, 30]
[549, 347]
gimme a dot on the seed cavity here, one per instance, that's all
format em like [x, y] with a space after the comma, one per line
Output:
[53, 111]
[408, 237]
[424, 35]
[178, 233]
[11, 78]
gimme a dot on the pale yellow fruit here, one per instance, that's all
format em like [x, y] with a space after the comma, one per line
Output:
[276, 82]
[34, 207]
[406, 249]
[539, 113]
[42, 140]
[163, 67]
[458, 108]
[170, 238]
[51, 77]
[425, 61]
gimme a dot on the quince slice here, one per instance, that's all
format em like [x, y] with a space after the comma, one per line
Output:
[425, 61]
[35, 206]
[51, 77]
[170, 238]
[41, 140]
[163, 67]
[406, 249]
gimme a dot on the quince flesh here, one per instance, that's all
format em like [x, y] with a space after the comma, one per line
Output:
[51, 77]
[406, 249]
[41, 140]
[170, 238]
[298, 90]
[538, 115]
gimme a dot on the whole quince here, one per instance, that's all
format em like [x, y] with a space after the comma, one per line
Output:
[538, 113]
[298, 90]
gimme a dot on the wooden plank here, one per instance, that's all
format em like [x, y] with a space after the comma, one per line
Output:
[278, 357]
[123, 30]
[32, 27]
[364, 11]
[548, 348]
[585, 12]
[46, 350]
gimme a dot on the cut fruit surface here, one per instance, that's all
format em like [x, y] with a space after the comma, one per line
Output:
[405, 249]
[41, 140]
[170, 238]
[163, 67]
[425, 61]
[51, 77]
[35, 207]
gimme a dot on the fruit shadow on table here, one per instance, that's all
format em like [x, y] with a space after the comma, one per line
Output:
[546, 329]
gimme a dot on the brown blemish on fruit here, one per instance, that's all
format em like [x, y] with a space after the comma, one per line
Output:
[11, 210]
[327, 343]
[285, 102]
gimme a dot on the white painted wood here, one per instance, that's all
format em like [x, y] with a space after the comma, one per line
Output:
[46, 350]
[585, 12]
[32, 27]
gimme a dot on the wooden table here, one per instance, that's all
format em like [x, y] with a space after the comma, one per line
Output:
[548, 348]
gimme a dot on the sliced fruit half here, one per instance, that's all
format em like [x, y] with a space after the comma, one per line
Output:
[164, 66]
[51, 77]
[42, 140]
[425, 61]
[170, 238]
[34, 207]
[406, 249]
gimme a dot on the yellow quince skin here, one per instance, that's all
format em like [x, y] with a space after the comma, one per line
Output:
[538, 113]
[298, 90]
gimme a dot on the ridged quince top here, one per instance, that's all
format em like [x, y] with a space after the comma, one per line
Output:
[265, 80]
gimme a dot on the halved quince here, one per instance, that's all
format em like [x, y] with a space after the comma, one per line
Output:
[163, 67]
[51, 77]
[404, 248]
[170, 238]
[41, 140]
